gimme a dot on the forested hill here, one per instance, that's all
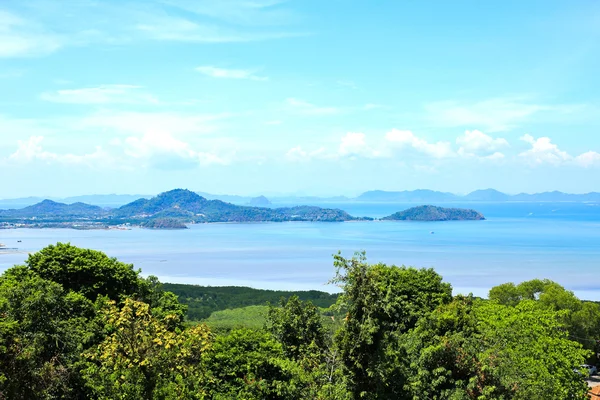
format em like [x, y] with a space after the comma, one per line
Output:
[433, 213]
[191, 207]
[55, 209]
[172, 209]
[204, 300]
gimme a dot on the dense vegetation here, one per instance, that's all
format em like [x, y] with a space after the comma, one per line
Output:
[76, 324]
[170, 210]
[433, 213]
[202, 301]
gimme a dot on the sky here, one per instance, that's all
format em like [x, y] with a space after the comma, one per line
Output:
[307, 97]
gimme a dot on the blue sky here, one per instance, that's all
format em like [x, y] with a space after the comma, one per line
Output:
[319, 97]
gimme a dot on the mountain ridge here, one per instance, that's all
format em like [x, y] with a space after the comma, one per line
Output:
[169, 210]
[375, 196]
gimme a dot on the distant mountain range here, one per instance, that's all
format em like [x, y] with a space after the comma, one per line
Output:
[486, 195]
[409, 196]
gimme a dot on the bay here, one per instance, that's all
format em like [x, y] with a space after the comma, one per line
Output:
[518, 241]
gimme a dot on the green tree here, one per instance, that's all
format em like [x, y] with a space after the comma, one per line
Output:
[581, 319]
[43, 329]
[142, 358]
[92, 273]
[88, 272]
[250, 364]
[382, 303]
[474, 349]
[296, 325]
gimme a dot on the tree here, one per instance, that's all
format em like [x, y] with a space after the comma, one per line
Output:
[581, 319]
[43, 330]
[142, 358]
[296, 325]
[382, 303]
[88, 272]
[250, 364]
[92, 273]
[474, 349]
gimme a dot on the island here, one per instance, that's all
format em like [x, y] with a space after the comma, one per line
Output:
[433, 213]
[169, 210]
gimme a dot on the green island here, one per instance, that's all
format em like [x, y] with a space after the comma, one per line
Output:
[77, 324]
[433, 213]
[177, 208]
[169, 210]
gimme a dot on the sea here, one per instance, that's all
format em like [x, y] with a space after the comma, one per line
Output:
[516, 242]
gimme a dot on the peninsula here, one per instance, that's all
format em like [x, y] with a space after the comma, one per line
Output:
[169, 210]
[433, 213]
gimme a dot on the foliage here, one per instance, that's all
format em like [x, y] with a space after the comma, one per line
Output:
[297, 326]
[88, 272]
[581, 318]
[76, 324]
[164, 223]
[253, 317]
[382, 303]
[42, 331]
[433, 213]
[142, 358]
[481, 350]
[202, 301]
[250, 364]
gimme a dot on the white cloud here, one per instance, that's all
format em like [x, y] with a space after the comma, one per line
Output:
[162, 148]
[104, 94]
[354, 144]
[494, 156]
[299, 154]
[241, 12]
[168, 28]
[21, 38]
[306, 108]
[153, 149]
[588, 159]
[498, 114]
[407, 138]
[140, 122]
[477, 144]
[543, 151]
[215, 72]
[31, 150]
[49, 28]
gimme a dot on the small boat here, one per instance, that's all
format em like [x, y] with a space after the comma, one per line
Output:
[18, 241]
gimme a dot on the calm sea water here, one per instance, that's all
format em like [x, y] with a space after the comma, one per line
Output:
[518, 241]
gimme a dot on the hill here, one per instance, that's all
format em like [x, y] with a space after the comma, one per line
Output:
[486, 195]
[168, 210]
[260, 201]
[52, 208]
[432, 213]
[191, 207]
[202, 301]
